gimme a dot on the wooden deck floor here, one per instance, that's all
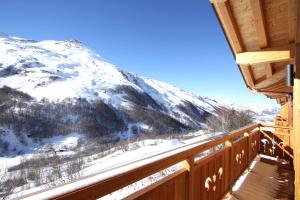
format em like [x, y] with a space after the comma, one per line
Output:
[265, 179]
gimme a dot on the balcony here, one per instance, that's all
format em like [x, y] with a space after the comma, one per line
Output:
[226, 166]
[264, 37]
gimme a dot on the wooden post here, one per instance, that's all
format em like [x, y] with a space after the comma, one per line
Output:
[189, 164]
[290, 121]
[296, 101]
[296, 123]
[228, 143]
[247, 153]
[290, 110]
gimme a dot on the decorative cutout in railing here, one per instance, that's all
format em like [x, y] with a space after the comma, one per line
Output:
[239, 157]
[253, 145]
[283, 145]
[265, 143]
[211, 181]
[271, 149]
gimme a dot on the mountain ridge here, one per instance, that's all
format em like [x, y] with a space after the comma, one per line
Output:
[72, 90]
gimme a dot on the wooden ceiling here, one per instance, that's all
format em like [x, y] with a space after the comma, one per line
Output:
[262, 35]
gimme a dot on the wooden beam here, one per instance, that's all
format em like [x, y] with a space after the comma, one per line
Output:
[296, 102]
[248, 74]
[229, 24]
[275, 85]
[217, 1]
[256, 57]
[146, 190]
[258, 16]
[292, 20]
[273, 93]
[296, 123]
[290, 113]
[281, 88]
[269, 70]
[278, 76]
[189, 165]
[281, 100]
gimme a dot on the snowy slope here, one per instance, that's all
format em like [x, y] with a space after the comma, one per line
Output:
[66, 69]
[62, 97]
[140, 152]
[57, 70]
[60, 70]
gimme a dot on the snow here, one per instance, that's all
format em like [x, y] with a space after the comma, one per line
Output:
[59, 143]
[68, 69]
[80, 72]
[63, 143]
[119, 161]
[77, 67]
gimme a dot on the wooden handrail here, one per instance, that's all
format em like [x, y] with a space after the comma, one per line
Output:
[155, 185]
[275, 126]
[282, 148]
[105, 185]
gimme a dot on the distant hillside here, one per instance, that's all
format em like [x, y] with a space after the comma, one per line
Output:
[53, 88]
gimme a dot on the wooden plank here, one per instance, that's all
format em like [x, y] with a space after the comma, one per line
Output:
[256, 57]
[296, 136]
[272, 93]
[290, 112]
[278, 76]
[292, 20]
[296, 111]
[274, 126]
[182, 173]
[229, 169]
[269, 70]
[247, 71]
[229, 24]
[277, 86]
[247, 148]
[256, 7]
[217, 1]
[189, 165]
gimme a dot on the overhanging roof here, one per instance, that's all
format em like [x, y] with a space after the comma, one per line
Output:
[262, 36]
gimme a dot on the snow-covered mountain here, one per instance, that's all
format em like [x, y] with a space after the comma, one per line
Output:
[49, 88]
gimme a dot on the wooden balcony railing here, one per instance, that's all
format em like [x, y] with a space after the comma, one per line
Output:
[209, 177]
[280, 137]
[283, 131]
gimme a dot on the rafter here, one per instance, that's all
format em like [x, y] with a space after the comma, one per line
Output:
[247, 71]
[229, 24]
[283, 88]
[273, 93]
[217, 1]
[256, 57]
[271, 87]
[269, 70]
[278, 76]
[278, 87]
[258, 16]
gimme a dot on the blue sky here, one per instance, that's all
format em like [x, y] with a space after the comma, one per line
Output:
[175, 41]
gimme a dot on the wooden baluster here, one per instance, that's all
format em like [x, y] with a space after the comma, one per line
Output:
[189, 164]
